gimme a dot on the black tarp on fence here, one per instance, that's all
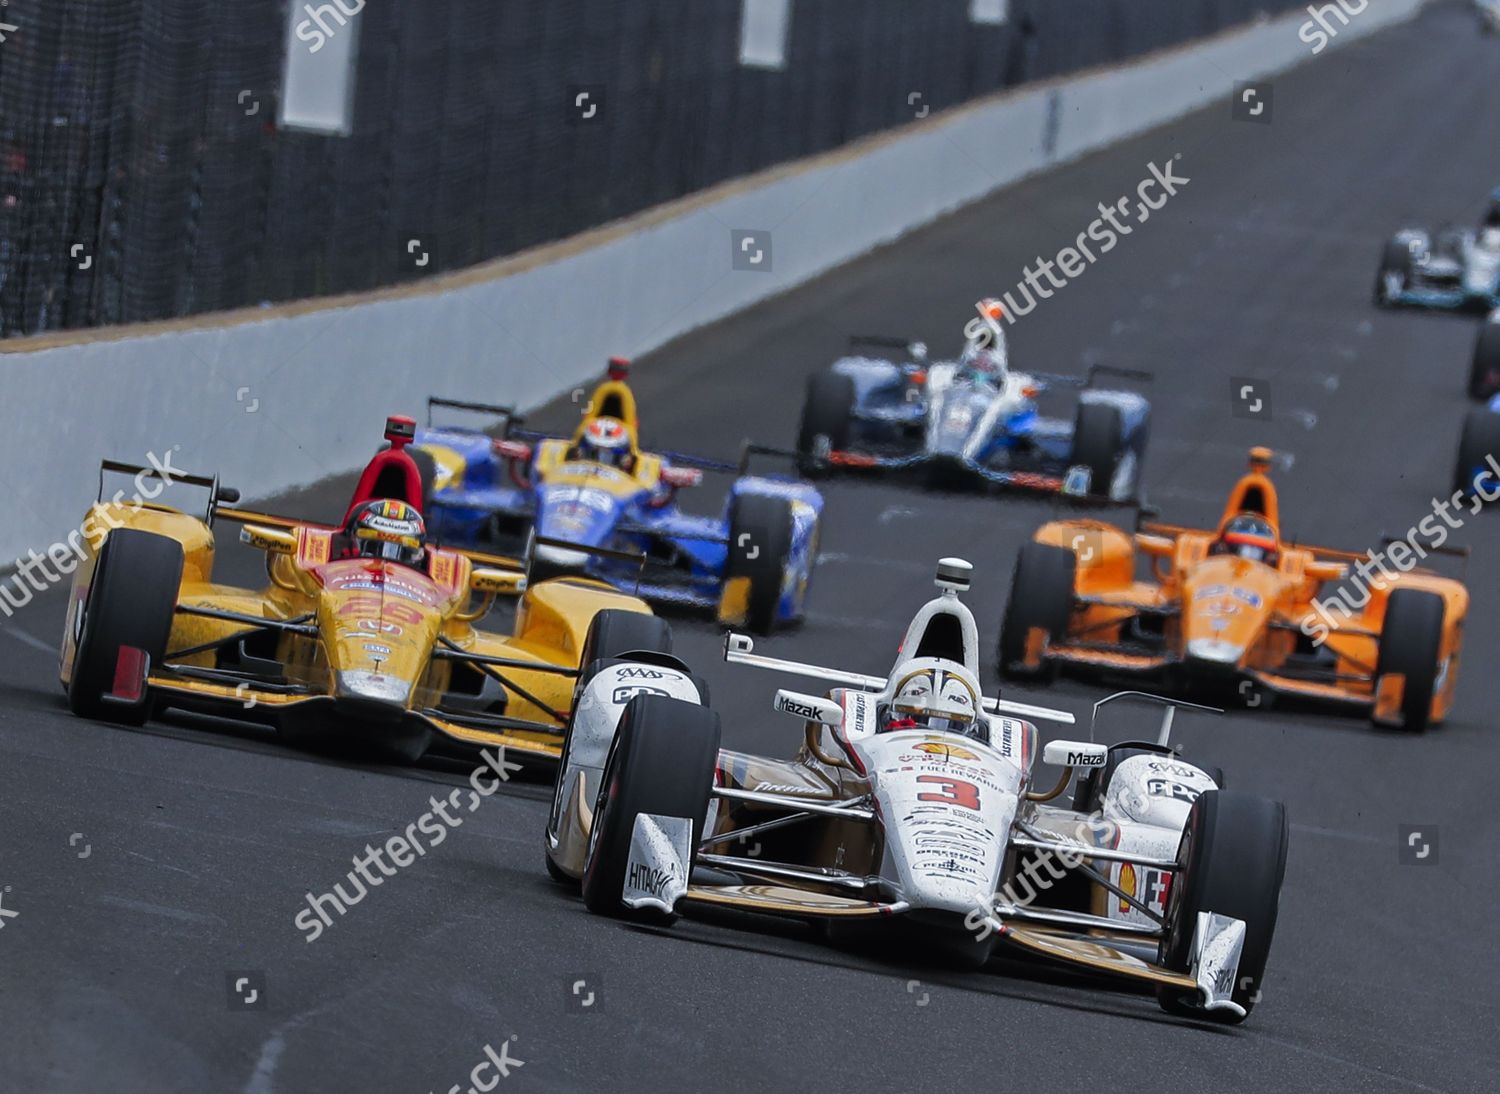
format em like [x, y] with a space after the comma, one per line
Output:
[142, 175]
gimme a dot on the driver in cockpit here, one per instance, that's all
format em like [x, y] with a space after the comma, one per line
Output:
[985, 358]
[936, 699]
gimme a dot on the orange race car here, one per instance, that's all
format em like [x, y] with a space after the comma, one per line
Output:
[1240, 610]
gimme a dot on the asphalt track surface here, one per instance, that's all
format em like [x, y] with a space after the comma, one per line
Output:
[199, 839]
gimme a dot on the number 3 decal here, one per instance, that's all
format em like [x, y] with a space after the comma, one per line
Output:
[955, 792]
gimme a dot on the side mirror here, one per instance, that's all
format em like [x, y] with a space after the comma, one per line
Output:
[809, 707]
[1074, 754]
[503, 582]
[1326, 571]
[272, 540]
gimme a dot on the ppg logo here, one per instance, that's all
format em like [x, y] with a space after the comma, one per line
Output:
[625, 694]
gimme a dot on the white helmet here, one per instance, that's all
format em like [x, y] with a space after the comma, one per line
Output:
[934, 695]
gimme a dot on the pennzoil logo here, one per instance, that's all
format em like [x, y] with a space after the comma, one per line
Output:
[946, 750]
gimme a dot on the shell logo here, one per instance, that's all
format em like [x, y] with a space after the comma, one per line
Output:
[1127, 882]
[946, 750]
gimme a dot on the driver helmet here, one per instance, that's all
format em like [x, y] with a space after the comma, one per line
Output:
[940, 699]
[605, 440]
[1249, 536]
[391, 530]
[986, 339]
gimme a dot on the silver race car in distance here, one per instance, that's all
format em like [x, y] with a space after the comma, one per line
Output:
[1456, 269]
[910, 807]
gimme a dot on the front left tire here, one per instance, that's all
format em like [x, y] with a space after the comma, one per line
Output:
[661, 762]
[130, 605]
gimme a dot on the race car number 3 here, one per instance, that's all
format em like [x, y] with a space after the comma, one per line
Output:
[955, 792]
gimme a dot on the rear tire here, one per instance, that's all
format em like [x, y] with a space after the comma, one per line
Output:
[760, 545]
[1410, 642]
[1396, 258]
[1484, 370]
[825, 419]
[662, 762]
[1231, 861]
[130, 604]
[1041, 595]
[615, 633]
[1098, 444]
[1477, 444]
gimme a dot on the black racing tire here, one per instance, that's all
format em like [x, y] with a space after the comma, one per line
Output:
[130, 603]
[1480, 439]
[589, 671]
[1410, 641]
[661, 762]
[1395, 258]
[1484, 369]
[760, 547]
[825, 414]
[614, 632]
[1041, 595]
[1098, 444]
[1231, 860]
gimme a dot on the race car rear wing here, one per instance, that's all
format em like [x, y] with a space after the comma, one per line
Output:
[917, 351]
[533, 541]
[1333, 555]
[511, 419]
[1094, 372]
[739, 649]
[169, 476]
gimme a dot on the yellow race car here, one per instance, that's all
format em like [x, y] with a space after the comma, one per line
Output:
[364, 635]
[1239, 609]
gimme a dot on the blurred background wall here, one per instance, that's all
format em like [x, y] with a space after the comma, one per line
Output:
[144, 172]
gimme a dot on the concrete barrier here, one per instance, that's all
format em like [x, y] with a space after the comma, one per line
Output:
[282, 397]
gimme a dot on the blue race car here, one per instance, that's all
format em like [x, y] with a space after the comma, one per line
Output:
[974, 420]
[1454, 269]
[595, 504]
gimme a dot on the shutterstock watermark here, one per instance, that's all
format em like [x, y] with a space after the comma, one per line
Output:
[501, 1062]
[317, 29]
[1114, 220]
[1028, 884]
[1319, 30]
[34, 574]
[1400, 555]
[315, 918]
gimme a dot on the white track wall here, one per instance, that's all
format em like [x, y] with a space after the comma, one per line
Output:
[277, 399]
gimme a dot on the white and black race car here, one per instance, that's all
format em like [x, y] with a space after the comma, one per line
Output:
[1454, 268]
[910, 807]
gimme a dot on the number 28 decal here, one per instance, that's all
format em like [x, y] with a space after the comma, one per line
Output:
[955, 792]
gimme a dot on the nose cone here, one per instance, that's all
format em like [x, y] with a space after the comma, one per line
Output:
[377, 694]
[582, 515]
[1225, 612]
